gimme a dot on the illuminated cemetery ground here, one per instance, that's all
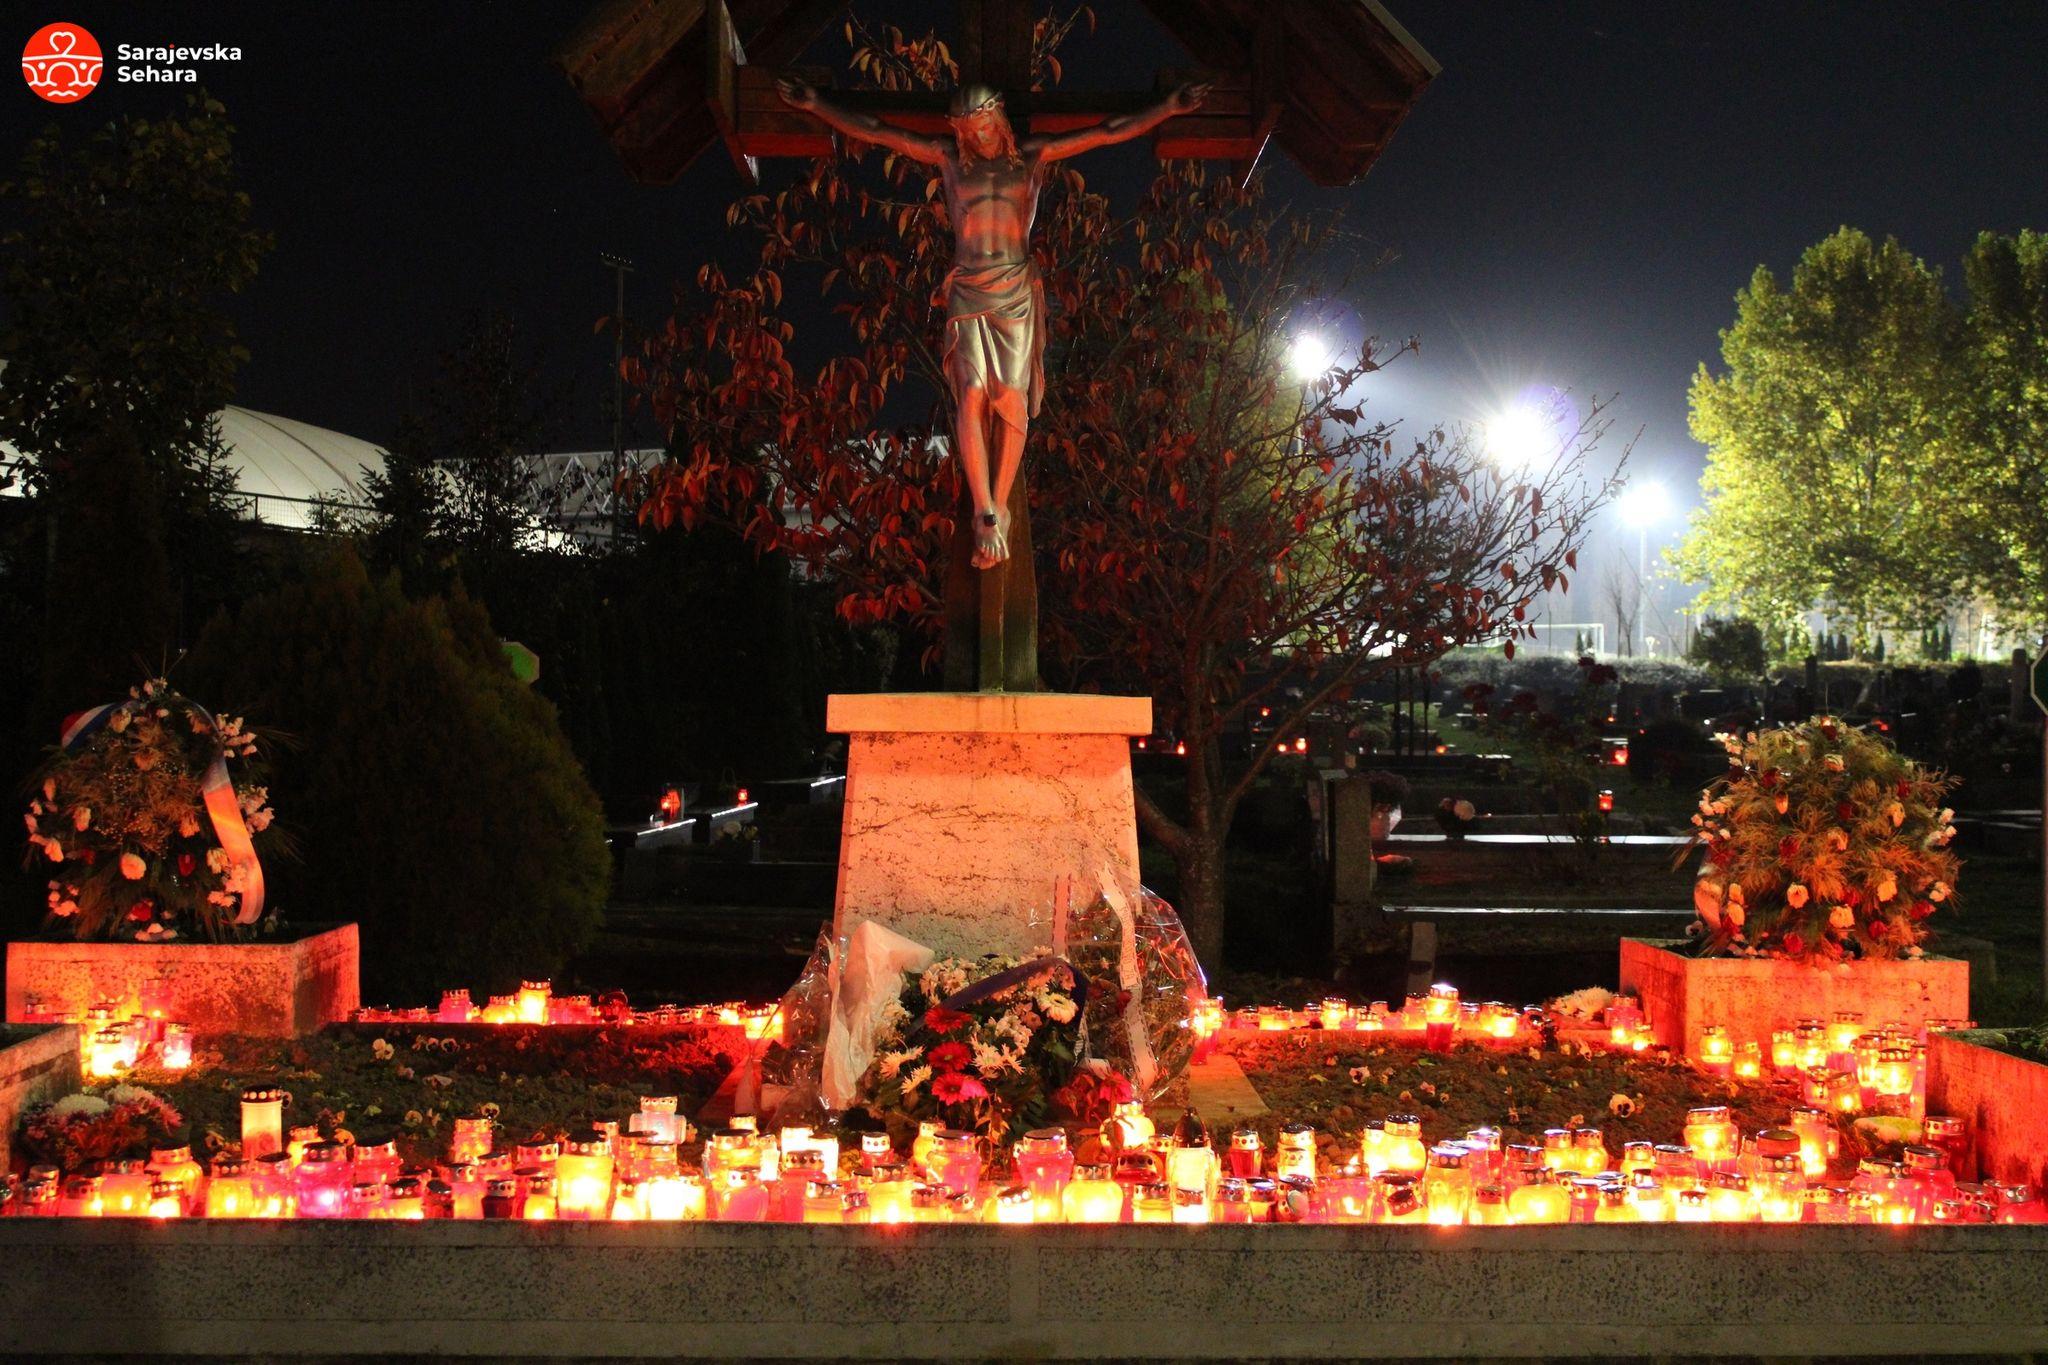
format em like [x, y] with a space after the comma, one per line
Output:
[1434, 1110]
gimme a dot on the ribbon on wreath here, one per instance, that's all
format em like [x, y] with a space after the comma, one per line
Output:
[216, 788]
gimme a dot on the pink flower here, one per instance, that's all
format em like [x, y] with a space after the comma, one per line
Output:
[132, 866]
[956, 1088]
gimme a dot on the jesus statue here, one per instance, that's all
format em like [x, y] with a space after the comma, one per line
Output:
[995, 303]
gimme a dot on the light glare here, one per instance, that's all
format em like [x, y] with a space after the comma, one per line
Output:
[1520, 438]
[1644, 504]
[1309, 357]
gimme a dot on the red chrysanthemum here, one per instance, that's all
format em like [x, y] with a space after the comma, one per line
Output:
[949, 1057]
[1795, 944]
[1844, 811]
[1922, 909]
[939, 1019]
[1788, 849]
[955, 1088]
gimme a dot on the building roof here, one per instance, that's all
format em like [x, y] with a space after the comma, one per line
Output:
[1330, 80]
[286, 466]
[282, 466]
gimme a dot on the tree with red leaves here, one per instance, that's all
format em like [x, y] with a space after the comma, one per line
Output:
[1210, 530]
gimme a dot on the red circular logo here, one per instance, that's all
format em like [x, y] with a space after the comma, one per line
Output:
[61, 63]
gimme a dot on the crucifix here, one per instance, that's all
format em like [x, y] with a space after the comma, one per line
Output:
[1329, 80]
[994, 345]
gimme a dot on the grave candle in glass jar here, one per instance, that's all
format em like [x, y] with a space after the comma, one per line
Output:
[1446, 1184]
[1045, 1166]
[322, 1181]
[1246, 1157]
[956, 1161]
[1540, 1199]
[471, 1139]
[1093, 1196]
[262, 1121]
[1405, 1153]
[583, 1178]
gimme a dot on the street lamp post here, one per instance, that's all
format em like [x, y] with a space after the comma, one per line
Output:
[1642, 505]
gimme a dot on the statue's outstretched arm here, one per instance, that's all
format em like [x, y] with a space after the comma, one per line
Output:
[799, 94]
[1122, 128]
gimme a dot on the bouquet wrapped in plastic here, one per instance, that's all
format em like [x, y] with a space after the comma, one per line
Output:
[1116, 985]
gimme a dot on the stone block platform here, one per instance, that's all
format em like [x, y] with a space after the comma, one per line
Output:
[1751, 996]
[2004, 1098]
[282, 988]
[512, 1290]
[38, 1063]
[965, 809]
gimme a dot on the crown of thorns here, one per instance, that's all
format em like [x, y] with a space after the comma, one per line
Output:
[962, 111]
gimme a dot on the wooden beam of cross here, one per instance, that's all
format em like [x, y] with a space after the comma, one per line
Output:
[754, 122]
[1326, 81]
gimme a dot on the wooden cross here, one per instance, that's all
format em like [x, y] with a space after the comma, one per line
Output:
[1328, 81]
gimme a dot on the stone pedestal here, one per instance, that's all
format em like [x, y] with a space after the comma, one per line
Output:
[1752, 996]
[280, 989]
[965, 809]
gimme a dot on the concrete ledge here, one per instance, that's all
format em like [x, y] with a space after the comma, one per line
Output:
[280, 989]
[988, 713]
[591, 1290]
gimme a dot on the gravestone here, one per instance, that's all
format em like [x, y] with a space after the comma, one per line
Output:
[1352, 869]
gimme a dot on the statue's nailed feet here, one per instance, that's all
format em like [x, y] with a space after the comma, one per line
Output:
[991, 538]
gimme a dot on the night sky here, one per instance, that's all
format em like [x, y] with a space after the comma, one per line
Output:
[1573, 202]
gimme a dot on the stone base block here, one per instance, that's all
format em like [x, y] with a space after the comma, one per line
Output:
[2005, 1100]
[38, 1063]
[510, 1290]
[964, 809]
[1751, 996]
[280, 989]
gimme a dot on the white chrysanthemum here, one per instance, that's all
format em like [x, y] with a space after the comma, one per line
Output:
[915, 1079]
[86, 1105]
[993, 1061]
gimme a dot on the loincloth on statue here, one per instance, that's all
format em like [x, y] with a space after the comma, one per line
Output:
[995, 333]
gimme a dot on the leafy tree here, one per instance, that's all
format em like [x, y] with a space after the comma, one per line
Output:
[431, 794]
[1212, 533]
[2001, 435]
[1824, 482]
[120, 351]
[461, 491]
[1729, 647]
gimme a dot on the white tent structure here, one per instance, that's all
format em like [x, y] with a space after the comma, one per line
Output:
[285, 468]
